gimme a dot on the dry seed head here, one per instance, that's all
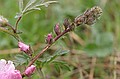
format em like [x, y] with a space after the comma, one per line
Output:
[89, 17]
[97, 11]
[79, 20]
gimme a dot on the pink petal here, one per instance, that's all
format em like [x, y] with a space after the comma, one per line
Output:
[15, 75]
[23, 47]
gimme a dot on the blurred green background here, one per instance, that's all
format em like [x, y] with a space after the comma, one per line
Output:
[101, 39]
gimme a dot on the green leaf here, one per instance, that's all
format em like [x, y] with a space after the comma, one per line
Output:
[32, 5]
[101, 46]
[104, 39]
[20, 5]
[65, 67]
[61, 65]
[46, 4]
[21, 59]
[60, 52]
[57, 53]
[57, 67]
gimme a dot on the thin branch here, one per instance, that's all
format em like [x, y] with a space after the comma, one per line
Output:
[16, 24]
[10, 33]
[11, 27]
[37, 56]
[45, 48]
[63, 33]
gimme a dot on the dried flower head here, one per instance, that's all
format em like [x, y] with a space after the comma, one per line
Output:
[89, 17]
[3, 21]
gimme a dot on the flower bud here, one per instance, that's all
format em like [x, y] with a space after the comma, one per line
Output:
[3, 21]
[57, 29]
[25, 48]
[29, 71]
[49, 39]
[66, 23]
[71, 26]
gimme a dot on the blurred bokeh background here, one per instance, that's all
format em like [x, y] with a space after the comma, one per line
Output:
[94, 50]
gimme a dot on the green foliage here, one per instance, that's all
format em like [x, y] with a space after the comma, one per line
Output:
[61, 66]
[21, 59]
[47, 60]
[101, 45]
[32, 5]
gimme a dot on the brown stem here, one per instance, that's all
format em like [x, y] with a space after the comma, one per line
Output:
[12, 34]
[39, 54]
[11, 27]
[45, 48]
[64, 32]
[16, 24]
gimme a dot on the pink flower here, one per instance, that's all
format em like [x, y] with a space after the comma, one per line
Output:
[23, 47]
[30, 70]
[7, 70]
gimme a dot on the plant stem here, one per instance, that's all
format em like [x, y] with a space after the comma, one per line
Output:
[12, 34]
[60, 35]
[11, 27]
[39, 54]
[46, 48]
[16, 24]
